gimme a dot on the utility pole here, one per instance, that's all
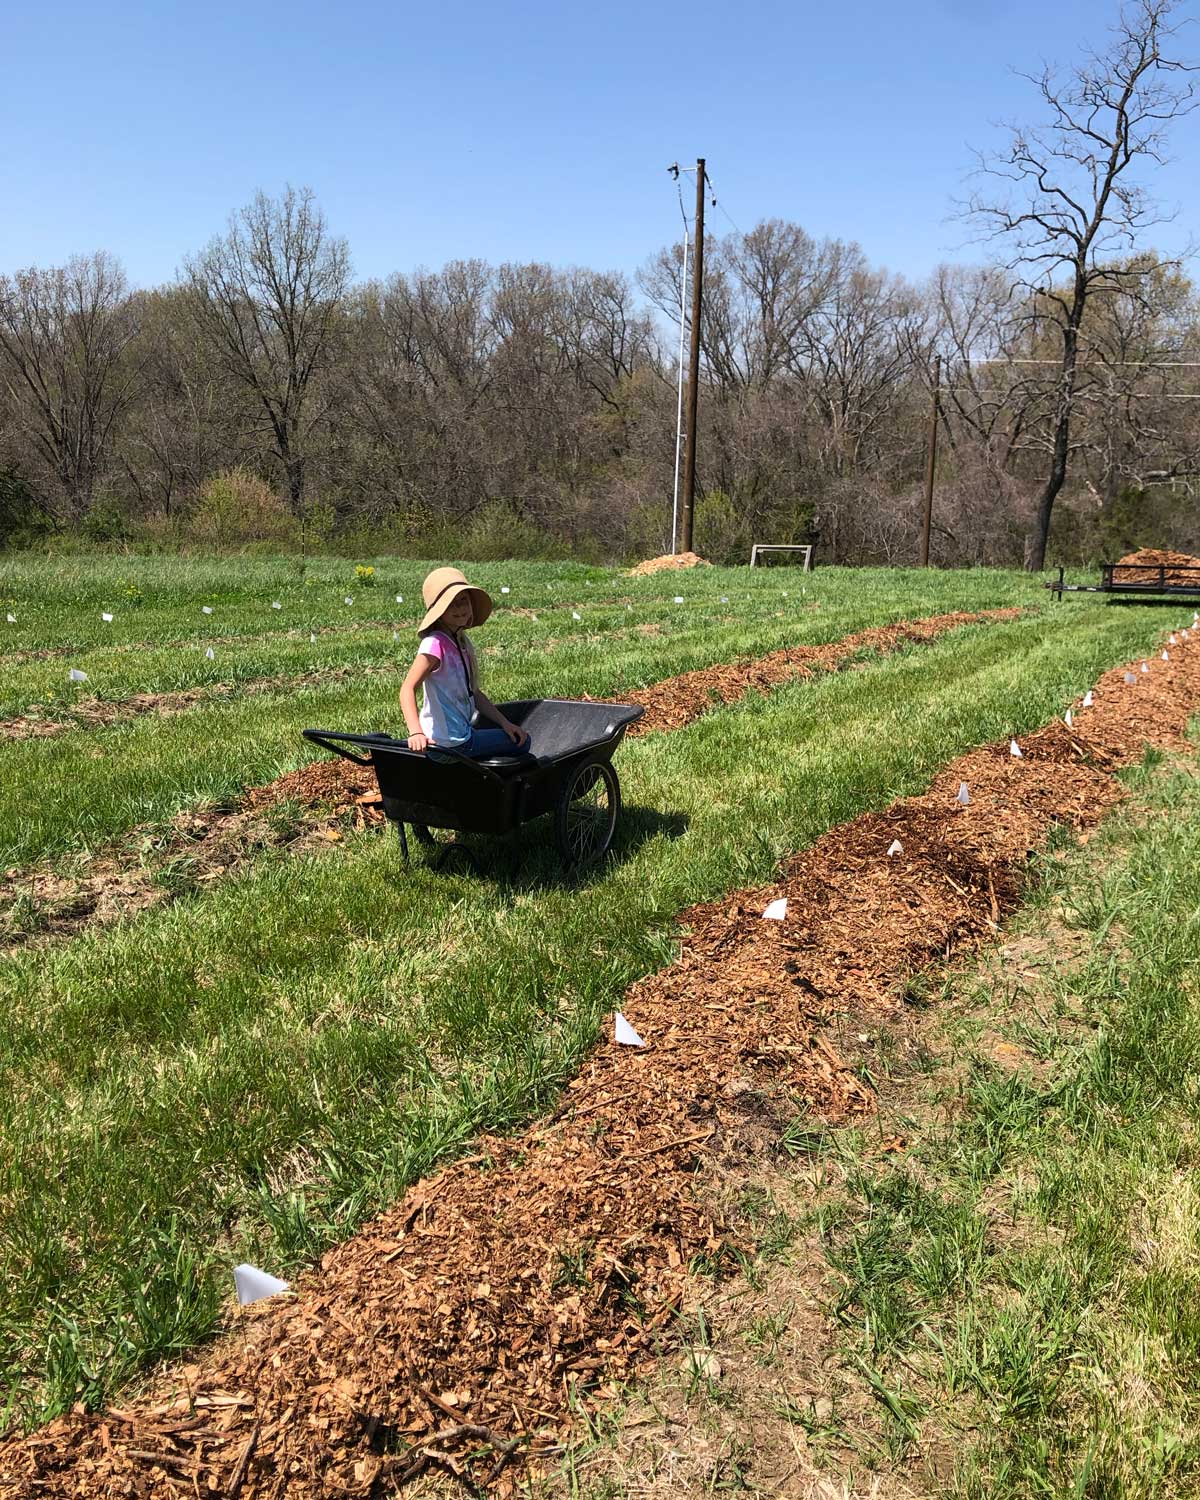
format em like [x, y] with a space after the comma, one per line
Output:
[933, 432]
[689, 454]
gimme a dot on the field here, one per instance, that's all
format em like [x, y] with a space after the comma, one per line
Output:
[206, 1062]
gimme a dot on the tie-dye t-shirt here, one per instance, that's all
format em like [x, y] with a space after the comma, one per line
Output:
[447, 704]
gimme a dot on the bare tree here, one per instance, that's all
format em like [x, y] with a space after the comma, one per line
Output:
[64, 337]
[1075, 208]
[266, 297]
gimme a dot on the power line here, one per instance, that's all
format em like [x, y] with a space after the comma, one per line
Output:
[1104, 364]
[716, 203]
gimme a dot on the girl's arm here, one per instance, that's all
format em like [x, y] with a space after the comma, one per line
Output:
[489, 711]
[422, 666]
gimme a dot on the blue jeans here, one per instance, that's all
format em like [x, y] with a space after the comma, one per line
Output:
[485, 743]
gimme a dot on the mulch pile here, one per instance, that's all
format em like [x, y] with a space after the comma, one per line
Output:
[669, 562]
[458, 1328]
[1151, 559]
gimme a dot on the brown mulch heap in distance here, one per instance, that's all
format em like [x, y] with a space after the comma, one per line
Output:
[459, 1327]
[669, 562]
[1151, 559]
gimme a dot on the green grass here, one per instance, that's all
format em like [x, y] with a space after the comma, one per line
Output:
[1029, 1279]
[252, 1070]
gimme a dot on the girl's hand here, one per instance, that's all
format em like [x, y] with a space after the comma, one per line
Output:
[518, 736]
[418, 743]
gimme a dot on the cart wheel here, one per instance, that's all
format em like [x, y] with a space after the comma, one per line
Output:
[587, 813]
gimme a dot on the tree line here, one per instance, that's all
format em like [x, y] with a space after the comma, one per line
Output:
[265, 395]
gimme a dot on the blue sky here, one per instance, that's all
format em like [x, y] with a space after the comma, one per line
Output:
[535, 131]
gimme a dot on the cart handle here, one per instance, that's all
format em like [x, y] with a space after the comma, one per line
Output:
[329, 739]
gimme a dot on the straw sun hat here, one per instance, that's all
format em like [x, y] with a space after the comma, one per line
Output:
[443, 587]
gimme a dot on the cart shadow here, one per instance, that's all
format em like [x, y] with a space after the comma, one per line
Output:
[528, 859]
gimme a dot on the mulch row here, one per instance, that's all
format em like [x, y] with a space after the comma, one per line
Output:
[118, 882]
[670, 704]
[462, 1325]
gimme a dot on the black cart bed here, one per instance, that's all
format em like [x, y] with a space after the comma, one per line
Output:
[568, 773]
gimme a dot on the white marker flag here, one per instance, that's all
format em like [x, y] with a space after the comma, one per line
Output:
[678, 598]
[107, 619]
[75, 675]
[12, 619]
[1088, 700]
[724, 598]
[1015, 750]
[349, 599]
[625, 1033]
[399, 598]
[895, 847]
[312, 638]
[575, 615]
[253, 1284]
[1067, 719]
[1145, 668]
[1130, 679]
[964, 796]
[506, 589]
[777, 910]
[275, 604]
[1166, 656]
[206, 609]
[209, 653]
[1172, 642]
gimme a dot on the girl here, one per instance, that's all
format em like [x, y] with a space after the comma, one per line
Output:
[445, 669]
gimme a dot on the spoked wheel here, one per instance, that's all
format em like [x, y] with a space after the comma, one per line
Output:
[587, 813]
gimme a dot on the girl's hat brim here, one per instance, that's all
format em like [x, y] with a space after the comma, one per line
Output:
[481, 604]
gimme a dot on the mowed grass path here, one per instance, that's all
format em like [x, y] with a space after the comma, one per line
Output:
[249, 1073]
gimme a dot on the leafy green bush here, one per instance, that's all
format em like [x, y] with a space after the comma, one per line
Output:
[237, 506]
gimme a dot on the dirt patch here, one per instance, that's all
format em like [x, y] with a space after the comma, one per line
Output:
[669, 562]
[196, 848]
[1151, 559]
[461, 1327]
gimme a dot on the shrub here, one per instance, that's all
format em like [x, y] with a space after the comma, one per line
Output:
[237, 506]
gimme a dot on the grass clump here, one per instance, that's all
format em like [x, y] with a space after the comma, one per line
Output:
[1027, 1282]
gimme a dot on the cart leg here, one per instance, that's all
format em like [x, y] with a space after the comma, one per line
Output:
[403, 840]
[1059, 590]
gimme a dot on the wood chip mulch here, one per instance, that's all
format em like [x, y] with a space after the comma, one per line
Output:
[669, 562]
[675, 702]
[1153, 558]
[457, 1330]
